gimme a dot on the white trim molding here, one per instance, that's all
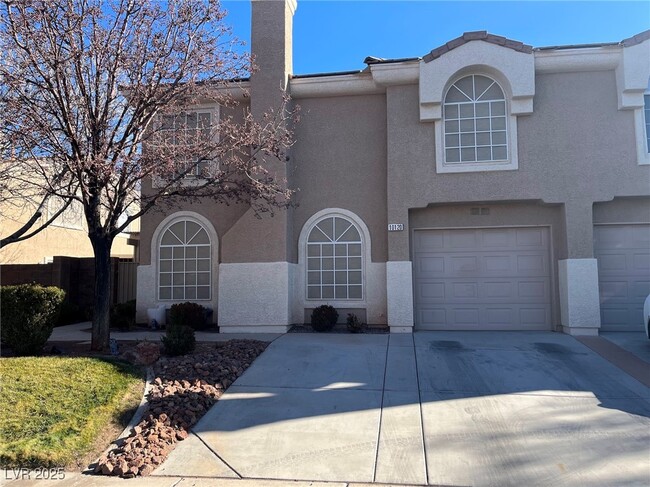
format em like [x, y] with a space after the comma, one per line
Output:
[577, 60]
[579, 296]
[335, 85]
[632, 82]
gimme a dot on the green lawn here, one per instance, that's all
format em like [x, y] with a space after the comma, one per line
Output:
[53, 408]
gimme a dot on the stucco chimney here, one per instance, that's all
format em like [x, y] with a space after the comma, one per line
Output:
[271, 45]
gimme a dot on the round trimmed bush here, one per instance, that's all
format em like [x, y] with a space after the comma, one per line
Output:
[324, 318]
[29, 313]
[178, 339]
[188, 314]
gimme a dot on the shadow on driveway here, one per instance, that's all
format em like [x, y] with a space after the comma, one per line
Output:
[452, 408]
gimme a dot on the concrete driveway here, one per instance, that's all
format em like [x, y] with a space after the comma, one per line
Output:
[450, 408]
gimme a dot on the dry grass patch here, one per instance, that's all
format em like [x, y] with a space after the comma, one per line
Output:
[55, 411]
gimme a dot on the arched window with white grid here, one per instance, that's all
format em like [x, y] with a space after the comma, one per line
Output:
[334, 260]
[184, 262]
[475, 121]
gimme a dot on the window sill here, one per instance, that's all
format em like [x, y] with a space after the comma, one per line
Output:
[476, 167]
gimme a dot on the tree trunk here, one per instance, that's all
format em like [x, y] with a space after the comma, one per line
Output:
[102, 300]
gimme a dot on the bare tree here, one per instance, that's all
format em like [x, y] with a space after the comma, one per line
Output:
[100, 97]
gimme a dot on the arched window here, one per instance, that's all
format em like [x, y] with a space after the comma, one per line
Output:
[475, 121]
[334, 260]
[184, 267]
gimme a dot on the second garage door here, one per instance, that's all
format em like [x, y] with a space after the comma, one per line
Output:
[482, 279]
[623, 253]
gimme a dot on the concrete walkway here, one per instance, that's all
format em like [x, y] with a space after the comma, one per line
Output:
[80, 333]
[450, 408]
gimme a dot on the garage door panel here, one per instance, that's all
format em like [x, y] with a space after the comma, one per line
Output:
[434, 317]
[623, 253]
[462, 239]
[429, 241]
[640, 289]
[641, 262]
[482, 291]
[499, 316]
[463, 265]
[431, 291]
[466, 316]
[498, 263]
[533, 289]
[483, 279]
[613, 290]
[501, 289]
[531, 264]
[496, 238]
[430, 263]
[534, 316]
[464, 290]
[482, 318]
[530, 238]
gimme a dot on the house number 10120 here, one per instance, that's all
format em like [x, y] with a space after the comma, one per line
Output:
[395, 227]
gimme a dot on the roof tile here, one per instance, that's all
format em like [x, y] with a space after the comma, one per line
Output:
[479, 35]
[637, 39]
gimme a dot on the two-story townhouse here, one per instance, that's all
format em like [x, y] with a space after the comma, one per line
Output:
[487, 185]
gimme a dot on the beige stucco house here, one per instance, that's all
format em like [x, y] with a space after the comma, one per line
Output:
[486, 185]
[66, 236]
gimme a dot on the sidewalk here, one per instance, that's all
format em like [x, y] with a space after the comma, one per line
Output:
[75, 479]
[80, 332]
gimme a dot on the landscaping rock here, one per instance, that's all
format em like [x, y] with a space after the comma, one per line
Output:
[144, 353]
[183, 390]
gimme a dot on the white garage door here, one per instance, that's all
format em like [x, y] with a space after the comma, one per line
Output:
[482, 279]
[623, 253]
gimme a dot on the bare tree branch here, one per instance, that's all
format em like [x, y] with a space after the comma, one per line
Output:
[99, 100]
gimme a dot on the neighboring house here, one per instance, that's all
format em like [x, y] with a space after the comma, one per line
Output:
[487, 185]
[66, 236]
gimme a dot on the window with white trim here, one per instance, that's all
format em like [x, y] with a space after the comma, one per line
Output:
[334, 260]
[475, 121]
[187, 130]
[184, 262]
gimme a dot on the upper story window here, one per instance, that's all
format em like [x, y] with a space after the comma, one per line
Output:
[475, 121]
[190, 133]
[334, 260]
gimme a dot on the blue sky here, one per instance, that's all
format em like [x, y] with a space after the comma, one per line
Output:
[338, 35]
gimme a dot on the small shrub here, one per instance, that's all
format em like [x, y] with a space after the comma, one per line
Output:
[324, 318]
[178, 339]
[188, 314]
[123, 315]
[354, 324]
[29, 312]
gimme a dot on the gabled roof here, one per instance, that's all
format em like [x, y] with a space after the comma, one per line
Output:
[479, 35]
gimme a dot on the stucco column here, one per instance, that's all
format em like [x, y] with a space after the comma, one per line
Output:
[399, 268]
[399, 276]
[578, 274]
